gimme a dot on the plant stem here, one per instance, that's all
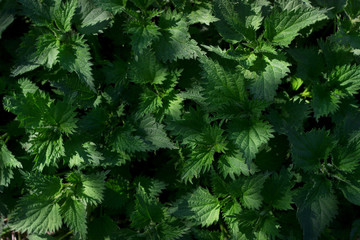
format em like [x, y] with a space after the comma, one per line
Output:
[66, 234]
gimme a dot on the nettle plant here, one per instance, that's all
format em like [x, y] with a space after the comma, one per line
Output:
[180, 119]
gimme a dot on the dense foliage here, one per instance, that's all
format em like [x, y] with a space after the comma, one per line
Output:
[180, 119]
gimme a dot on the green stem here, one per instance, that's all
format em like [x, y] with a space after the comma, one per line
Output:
[3, 136]
[64, 236]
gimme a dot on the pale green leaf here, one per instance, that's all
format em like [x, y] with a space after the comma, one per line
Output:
[205, 206]
[36, 215]
[74, 214]
[7, 163]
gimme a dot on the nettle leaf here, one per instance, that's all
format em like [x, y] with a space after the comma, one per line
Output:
[254, 225]
[7, 14]
[205, 206]
[93, 19]
[223, 86]
[201, 157]
[74, 56]
[43, 53]
[124, 139]
[250, 135]
[147, 210]
[317, 207]
[347, 157]
[113, 6]
[309, 149]
[325, 101]
[146, 70]
[238, 21]
[277, 190]
[42, 185]
[88, 188]
[142, 35]
[74, 214]
[265, 84]
[82, 154]
[234, 164]
[202, 15]
[37, 11]
[281, 27]
[346, 78]
[63, 14]
[249, 190]
[8, 162]
[48, 148]
[36, 215]
[155, 133]
[175, 42]
[310, 63]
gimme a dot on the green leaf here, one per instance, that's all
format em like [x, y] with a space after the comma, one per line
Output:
[346, 158]
[48, 149]
[39, 47]
[310, 64]
[114, 6]
[155, 133]
[199, 161]
[74, 214]
[88, 188]
[7, 163]
[64, 13]
[40, 237]
[7, 14]
[202, 15]
[223, 86]
[124, 140]
[265, 84]
[93, 19]
[281, 27]
[249, 136]
[309, 149]
[346, 78]
[36, 215]
[103, 228]
[147, 70]
[325, 101]
[277, 190]
[238, 20]
[83, 154]
[175, 42]
[205, 206]
[233, 164]
[142, 36]
[37, 11]
[74, 56]
[201, 157]
[249, 189]
[146, 211]
[42, 185]
[255, 225]
[317, 207]
[351, 192]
